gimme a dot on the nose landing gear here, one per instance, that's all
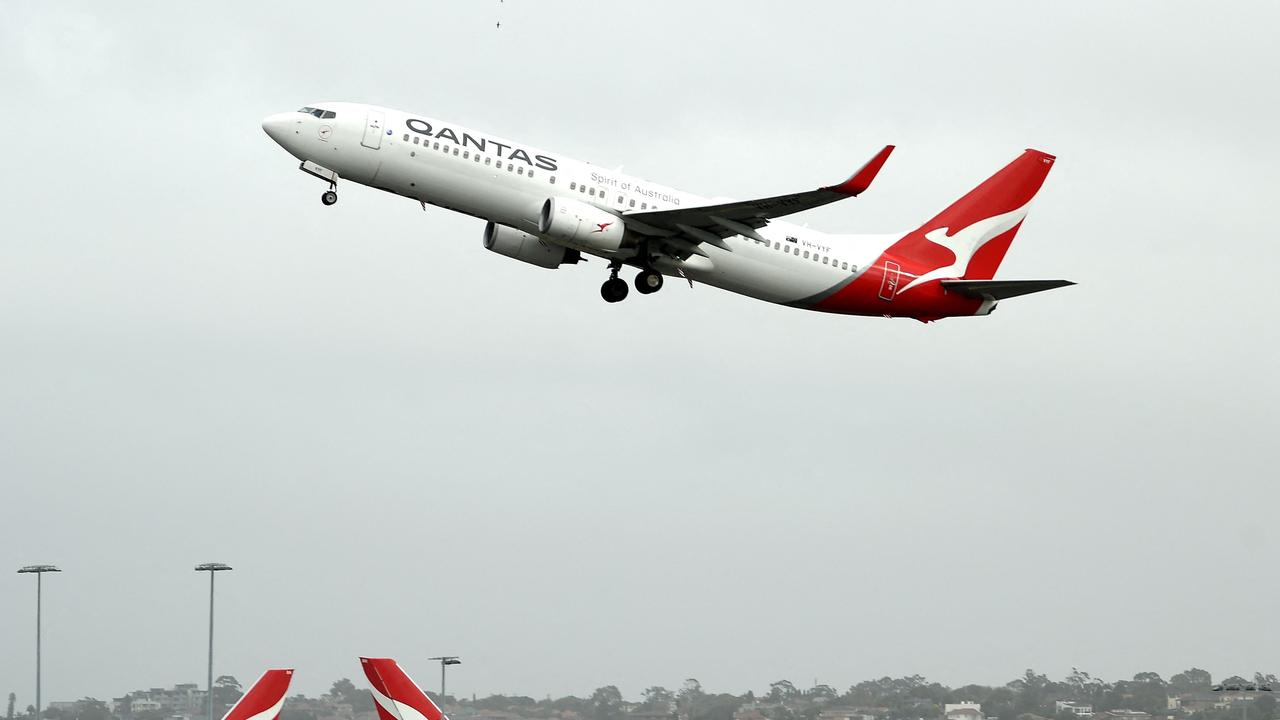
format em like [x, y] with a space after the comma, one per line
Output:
[329, 196]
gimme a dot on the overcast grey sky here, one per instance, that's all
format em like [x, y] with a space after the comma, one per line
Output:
[409, 446]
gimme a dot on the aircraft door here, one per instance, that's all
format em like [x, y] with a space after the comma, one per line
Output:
[889, 286]
[373, 130]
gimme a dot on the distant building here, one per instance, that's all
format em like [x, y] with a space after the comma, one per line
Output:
[845, 713]
[1075, 708]
[651, 714]
[185, 700]
[1122, 715]
[962, 711]
[1192, 702]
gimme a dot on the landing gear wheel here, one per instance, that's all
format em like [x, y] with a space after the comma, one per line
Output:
[614, 290]
[329, 197]
[648, 281]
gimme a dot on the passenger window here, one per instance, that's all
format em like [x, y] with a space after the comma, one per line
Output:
[455, 152]
[844, 266]
[466, 155]
[582, 188]
[553, 179]
[592, 192]
[520, 171]
[530, 172]
[806, 254]
[415, 139]
[619, 199]
[777, 246]
[477, 157]
[406, 138]
[510, 167]
[436, 146]
[633, 202]
[644, 206]
[787, 250]
[573, 185]
[486, 160]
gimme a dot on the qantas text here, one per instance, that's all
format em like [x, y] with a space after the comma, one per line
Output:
[422, 127]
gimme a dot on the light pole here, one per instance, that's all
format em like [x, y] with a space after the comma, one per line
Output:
[212, 569]
[39, 571]
[445, 661]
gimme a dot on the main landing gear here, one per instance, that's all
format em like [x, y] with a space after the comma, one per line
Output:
[648, 281]
[615, 288]
[329, 197]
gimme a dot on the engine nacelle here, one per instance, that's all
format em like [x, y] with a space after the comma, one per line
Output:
[580, 225]
[527, 248]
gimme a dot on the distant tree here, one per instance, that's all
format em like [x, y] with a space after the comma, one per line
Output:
[1267, 679]
[782, 690]
[1191, 680]
[690, 696]
[717, 707]
[606, 703]
[342, 688]
[1000, 703]
[346, 691]
[1031, 690]
[822, 692]
[92, 709]
[658, 698]
[690, 688]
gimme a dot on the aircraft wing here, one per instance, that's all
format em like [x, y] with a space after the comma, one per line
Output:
[712, 223]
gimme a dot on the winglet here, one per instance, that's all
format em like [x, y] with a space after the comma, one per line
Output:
[264, 699]
[861, 180]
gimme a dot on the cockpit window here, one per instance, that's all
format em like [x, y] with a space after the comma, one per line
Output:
[307, 110]
[318, 112]
[328, 115]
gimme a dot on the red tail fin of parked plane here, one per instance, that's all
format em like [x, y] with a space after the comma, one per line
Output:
[397, 696]
[264, 699]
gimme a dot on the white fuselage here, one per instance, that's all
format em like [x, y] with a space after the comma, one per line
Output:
[506, 182]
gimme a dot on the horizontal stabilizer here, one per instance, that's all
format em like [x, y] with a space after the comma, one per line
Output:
[1001, 289]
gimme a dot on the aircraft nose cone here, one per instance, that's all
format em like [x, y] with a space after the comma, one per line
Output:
[278, 125]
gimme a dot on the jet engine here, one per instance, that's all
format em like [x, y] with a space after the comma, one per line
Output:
[527, 248]
[580, 225]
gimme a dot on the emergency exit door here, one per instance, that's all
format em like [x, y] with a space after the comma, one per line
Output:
[373, 130]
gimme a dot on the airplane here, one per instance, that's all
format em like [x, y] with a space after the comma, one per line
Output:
[395, 695]
[549, 210]
[264, 699]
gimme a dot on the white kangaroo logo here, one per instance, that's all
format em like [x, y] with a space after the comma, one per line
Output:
[966, 242]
